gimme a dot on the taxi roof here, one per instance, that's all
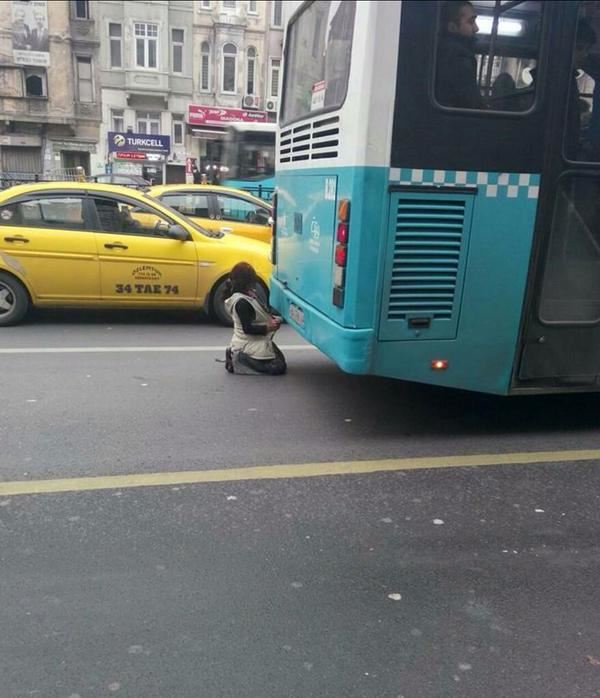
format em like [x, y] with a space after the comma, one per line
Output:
[216, 188]
[34, 187]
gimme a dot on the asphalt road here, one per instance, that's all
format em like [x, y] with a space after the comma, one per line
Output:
[461, 581]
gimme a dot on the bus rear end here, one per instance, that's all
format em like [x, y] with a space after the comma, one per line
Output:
[331, 180]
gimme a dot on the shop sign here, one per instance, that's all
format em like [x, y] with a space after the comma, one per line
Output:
[138, 143]
[131, 156]
[216, 116]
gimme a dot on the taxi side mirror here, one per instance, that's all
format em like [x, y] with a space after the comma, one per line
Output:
[177, 232]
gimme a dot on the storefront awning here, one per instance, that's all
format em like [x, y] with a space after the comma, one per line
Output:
[208, 134]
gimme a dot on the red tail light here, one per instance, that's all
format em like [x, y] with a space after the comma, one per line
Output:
[340, 255]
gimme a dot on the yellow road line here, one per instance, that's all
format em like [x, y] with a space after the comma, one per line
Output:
[276, 472]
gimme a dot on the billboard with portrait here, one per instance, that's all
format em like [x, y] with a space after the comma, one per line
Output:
[30, 40]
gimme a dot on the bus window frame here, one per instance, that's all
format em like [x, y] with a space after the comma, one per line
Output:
[541, 67]
[317, 112]
[586, 165]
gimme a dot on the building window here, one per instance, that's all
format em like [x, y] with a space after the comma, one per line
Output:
[177, 36]
[80, 9]
[146, 50]
[35, 82]
[253, 7]
[205, 67]
[205, 4]
[85, 88]
[117, 119]
[115, 33]
[148, 122]
[274, 80]
[229, 4]
[178, 129]
[251, 70]
[229, 68]
[277, 16]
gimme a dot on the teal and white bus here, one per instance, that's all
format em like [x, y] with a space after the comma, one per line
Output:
[429, 241]
[249, 158]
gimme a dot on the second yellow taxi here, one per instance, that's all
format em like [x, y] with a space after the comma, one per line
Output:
[218, 208]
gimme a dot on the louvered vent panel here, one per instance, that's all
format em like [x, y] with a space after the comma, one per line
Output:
[425, 265]
[426, 258]
[317, 140]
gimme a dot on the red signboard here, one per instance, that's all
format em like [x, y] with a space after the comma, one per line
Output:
[130, 156]
[216, 116]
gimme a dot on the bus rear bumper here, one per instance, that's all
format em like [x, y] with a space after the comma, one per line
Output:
[351, 349]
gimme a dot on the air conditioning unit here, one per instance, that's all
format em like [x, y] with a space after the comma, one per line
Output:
[272, 104]
[250, 102]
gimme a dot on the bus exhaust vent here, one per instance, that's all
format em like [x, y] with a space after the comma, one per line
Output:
[312, 141]
[425, 265]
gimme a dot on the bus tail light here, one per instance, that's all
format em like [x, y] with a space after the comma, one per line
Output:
[340, 256]
[342, 233]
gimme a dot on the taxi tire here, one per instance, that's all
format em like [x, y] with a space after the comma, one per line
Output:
[20, 300]
[217, 305]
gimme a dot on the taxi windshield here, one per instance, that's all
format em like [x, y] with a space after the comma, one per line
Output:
[189, 221]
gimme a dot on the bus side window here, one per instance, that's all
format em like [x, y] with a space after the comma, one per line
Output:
[487, 55]
[582, 130]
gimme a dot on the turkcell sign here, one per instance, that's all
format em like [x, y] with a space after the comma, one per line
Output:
[138, 143]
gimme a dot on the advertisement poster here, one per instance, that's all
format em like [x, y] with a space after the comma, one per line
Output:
[30, 32]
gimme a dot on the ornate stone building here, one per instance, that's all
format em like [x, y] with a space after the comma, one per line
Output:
[49, 92]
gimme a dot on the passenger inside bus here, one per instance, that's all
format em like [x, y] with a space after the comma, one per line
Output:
[583, 127]
[456, 84]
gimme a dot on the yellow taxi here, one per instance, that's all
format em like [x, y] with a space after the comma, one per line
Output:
[102, 245]
[219, 208]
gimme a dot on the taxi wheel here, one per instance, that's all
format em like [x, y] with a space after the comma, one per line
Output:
[218, 309]
[14, 300]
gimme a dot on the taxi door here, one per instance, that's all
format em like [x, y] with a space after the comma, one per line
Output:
[137, 263]
[46, 239]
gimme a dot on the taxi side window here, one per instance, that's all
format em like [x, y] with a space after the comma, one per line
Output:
[234, 209]
[64, 213]
[188, 204]
[126, 218]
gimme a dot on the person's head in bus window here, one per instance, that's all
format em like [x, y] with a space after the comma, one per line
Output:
[459, 17]
[456, 70]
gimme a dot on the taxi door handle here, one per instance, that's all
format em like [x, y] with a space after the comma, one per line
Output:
[117, 245]
[227, 230]
[17, 238]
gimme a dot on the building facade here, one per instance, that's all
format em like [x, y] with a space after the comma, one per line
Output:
[159, 58]
[49, 91]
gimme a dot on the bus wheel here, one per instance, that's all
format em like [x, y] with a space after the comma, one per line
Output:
[14, 300]
[217, 306]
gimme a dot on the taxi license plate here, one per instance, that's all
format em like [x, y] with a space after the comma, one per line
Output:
[297, 314]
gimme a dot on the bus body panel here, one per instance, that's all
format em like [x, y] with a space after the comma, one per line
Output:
[481, 353]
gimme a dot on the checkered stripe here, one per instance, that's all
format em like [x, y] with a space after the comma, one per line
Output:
[490, 184]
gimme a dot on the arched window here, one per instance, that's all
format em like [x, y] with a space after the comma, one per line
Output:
[205, 66]
[229, 68]
[250, 70]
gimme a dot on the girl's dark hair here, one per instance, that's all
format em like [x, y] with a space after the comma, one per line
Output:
[241, 279]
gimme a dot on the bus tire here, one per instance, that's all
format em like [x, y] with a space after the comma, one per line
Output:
[217, 305]
[14, 300]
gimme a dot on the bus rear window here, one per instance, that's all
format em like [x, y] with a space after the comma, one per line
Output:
[317, 62]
